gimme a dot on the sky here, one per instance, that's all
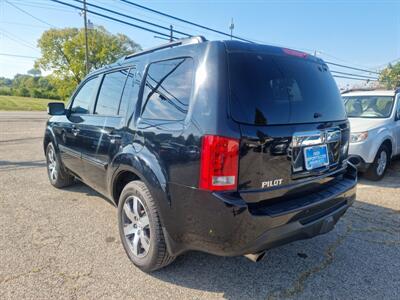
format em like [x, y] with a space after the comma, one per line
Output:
[363, 34]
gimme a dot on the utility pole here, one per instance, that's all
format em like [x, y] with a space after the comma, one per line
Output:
[231, 27]
[171, 33]
[86, 38]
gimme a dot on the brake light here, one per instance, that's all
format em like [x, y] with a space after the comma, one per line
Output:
[294, 53]
[219, 163]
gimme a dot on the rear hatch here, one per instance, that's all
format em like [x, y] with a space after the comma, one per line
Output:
[293, 122]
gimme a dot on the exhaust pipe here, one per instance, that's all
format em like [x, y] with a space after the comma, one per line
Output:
[255, 257]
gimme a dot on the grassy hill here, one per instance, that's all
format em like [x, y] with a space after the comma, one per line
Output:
[23, 103]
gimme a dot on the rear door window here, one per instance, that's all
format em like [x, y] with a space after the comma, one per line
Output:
[110, 93]
[272, 89]
[167, 90]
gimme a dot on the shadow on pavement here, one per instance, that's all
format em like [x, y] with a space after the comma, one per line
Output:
[12, 165]
[82, 188]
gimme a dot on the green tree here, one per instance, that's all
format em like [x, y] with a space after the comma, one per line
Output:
[390, 77]
[63, 52]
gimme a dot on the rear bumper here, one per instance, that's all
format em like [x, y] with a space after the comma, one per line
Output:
[224, 224]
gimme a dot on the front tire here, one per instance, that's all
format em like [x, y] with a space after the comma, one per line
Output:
[58, 177]
[378, 168]
[140, 228]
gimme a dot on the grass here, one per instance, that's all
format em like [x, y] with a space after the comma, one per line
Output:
[24, 103]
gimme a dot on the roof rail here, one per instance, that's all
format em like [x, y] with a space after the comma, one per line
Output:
[192, 40]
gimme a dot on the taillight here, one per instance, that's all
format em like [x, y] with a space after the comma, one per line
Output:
[219, 163]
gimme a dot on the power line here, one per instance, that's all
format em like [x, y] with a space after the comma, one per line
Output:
[344, 61]
[351, 74]
[23, 24]
[147, 15]
[41, 5]
[112, 18]
[29, 14]
[17, 39]
[224, 33]
[352, 68]
[17, 55]
[180, 32]
[388, 63]
[133, 18]
[353, 78]
[186, 21]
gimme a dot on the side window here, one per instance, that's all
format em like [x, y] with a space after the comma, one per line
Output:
[110, 93]
[129, 93]
[167, 90]
[83, 99]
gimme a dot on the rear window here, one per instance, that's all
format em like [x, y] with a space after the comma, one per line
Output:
[270, 89]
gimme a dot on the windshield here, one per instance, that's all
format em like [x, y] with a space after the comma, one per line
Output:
[369, 106]
[271, 89]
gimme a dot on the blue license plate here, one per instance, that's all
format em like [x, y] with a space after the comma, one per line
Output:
[316, 157]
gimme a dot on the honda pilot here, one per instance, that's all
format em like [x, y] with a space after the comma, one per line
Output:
[224, 147]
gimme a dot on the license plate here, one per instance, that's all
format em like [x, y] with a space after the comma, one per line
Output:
[316, 157]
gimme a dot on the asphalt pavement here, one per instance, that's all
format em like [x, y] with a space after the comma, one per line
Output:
[64, 244]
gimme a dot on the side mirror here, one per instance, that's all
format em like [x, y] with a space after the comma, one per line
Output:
[397, 115]
[56, 109]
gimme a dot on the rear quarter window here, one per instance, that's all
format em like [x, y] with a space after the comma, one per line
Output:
[167, 91]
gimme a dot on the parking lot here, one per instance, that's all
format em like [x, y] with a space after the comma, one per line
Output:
[64, 244]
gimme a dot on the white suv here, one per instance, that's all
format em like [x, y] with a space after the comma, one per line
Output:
[374, 117]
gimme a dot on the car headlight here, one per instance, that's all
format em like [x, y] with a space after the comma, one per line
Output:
[357, 137]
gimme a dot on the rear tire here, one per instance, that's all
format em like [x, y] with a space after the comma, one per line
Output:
[140, 228]
[58, 177]
[378, 168]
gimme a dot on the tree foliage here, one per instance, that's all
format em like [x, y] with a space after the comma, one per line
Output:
[32, 85]
[63, 52]
[390, 77]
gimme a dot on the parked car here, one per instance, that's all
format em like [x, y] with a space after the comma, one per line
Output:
[218, 146]
[374, 117]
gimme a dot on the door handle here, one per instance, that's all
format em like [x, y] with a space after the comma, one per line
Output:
[75, 131]
[114, 138]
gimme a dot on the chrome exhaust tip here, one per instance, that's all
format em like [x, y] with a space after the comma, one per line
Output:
[255, 257]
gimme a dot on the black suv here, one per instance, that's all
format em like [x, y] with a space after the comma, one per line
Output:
[220, 146]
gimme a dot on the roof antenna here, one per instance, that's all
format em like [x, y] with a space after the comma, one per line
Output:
[231, 27]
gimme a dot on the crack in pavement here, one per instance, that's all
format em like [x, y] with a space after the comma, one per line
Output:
[7, 279]
[298, 286]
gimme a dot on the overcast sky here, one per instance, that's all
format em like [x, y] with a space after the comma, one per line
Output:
[358, 33]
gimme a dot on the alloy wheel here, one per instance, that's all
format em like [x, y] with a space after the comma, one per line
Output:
[136, 226]
[382, 161]
[52, 164]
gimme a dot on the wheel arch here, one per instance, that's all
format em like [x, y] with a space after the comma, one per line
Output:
[120, 180]
[384, 137]
[130, 166]
[389, 144]
[49, 137]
